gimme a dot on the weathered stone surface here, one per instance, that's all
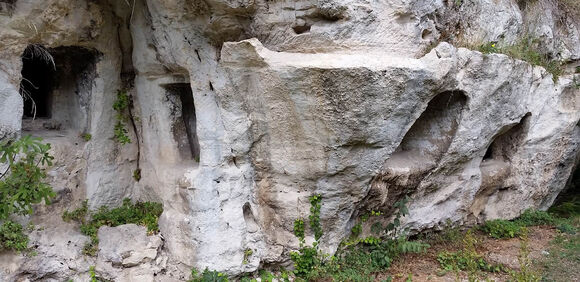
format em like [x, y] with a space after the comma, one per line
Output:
[330, 97]
[127, 245]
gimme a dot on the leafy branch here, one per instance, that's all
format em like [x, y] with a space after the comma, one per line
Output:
[23, 183]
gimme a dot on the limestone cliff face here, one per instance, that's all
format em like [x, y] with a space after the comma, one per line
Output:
[241, 109]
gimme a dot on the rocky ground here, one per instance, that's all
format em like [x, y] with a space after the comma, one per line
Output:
[548, 251]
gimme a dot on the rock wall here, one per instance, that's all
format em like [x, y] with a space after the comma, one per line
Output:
[242, 109]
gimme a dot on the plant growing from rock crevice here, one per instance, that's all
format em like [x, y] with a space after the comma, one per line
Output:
[526, 50]
[141, 213]
[121, 106]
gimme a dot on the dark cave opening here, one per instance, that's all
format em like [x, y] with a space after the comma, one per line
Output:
[432, 133]
[56, 86]
[37, 82]
[420, 150]
[184, 124]
[301, 29]
[504, 145]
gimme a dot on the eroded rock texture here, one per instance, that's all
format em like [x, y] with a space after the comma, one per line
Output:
[241, 109]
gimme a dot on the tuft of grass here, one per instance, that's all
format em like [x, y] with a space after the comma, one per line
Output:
[526, 272]
[526, 50]
[141, 213]
[563, 258]
[467, 259]
[500, 228]
[137, 174]
[87, 137]
[570, 208]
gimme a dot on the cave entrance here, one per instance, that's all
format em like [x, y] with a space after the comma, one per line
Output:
[184, 120]
[420, 150]
[506, 143]
[37, 81]
[496, 164]
[56, 86]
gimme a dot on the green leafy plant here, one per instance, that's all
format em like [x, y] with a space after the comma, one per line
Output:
[306, 258]
[87, 137]
[12, 236]
[500, 228]
[314, 217]
[532, 217]
[137, 174]
[356, 230]
[401, 211]
[247, 254]
[142, 213]
[207, 276]
[266, 276]
[299, 229]
[121, 106]
[23, 183]
[93, 275]
[356, 258]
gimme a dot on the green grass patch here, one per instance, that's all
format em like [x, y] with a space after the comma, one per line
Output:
[467, 259]
[461, 260]
[526, 50]
[141, 213]
[563, 259]
[500, 228]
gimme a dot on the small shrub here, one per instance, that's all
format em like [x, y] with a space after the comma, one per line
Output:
[12, 237]
[247, 254]
[23, 183]
[357, 258]
[534, 217]
[87, 137]
[305, 259]
[566, 227]
[208, 276]
[499, 229]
